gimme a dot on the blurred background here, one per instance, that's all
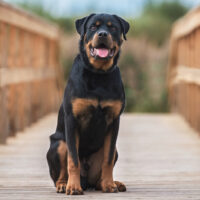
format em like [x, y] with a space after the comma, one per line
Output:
[160, 66]
[144, 56]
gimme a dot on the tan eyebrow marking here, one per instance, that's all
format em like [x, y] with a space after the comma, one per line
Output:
[98, 23]
[109, 23]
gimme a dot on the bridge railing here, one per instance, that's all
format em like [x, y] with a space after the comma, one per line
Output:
[29, 69]
[184, 68]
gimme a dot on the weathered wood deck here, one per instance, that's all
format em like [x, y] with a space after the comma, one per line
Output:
[159, 158]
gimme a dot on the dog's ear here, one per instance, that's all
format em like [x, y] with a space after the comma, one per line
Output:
[124, 25]
[81, 24]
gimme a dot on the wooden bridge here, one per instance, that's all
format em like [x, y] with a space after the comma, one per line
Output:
[159, 158]
[159, 154]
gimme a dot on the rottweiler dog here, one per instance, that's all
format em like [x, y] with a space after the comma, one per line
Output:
[83, 151]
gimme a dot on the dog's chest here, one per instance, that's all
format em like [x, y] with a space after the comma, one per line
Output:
[93, 119]
[87, 110]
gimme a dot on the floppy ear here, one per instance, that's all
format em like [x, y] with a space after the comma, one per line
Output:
[124, 25]
[81, 23]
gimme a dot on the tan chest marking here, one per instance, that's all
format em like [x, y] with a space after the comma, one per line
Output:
[80, 105]
[114, 105]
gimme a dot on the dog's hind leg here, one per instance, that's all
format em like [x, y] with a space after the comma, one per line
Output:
[57, 160]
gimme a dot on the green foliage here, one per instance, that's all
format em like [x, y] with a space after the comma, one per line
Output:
[66, 24]
[156, 20]
[170, 10]
[37, 9]
[138, 96]
[154, 29]
[67, 66]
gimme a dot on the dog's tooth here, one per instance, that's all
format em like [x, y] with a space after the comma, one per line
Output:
[95, 51]
[92, 52]
[111, 53]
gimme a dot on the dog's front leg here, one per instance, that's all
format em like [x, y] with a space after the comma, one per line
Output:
[107, 183]
[73, 164]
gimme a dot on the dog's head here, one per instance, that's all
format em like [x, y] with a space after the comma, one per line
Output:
[101, 39]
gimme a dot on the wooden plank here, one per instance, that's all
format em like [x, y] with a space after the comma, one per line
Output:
[159, 159]
[17, 17]
[4, 41]
[27, 77]
[26, 74]
[187, 24]
[186, 74]
[4, 126]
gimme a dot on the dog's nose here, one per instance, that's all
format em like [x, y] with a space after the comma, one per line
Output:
[102, 34]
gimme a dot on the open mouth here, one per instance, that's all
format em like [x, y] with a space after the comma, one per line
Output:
[102, 52]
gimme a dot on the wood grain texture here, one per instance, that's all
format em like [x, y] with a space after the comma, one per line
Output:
[29, 69]
[159, 159]
[184, 68]
[25, 74]
[187, 24]
[17, 17]
[186, 74]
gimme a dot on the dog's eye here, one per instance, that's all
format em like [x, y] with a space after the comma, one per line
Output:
[93, 28]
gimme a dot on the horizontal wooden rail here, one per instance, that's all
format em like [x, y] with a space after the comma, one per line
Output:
[27, 74]
[186, 74]
[18, 17]
[186, 25]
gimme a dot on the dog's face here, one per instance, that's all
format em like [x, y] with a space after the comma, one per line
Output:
[101, 38]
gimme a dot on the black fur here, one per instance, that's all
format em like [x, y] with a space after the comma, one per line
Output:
[87, 82]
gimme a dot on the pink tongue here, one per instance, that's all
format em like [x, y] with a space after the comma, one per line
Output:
[102, 53]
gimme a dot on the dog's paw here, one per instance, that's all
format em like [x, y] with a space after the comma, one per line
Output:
[109, 187]
[120, 186]
[61, 186]
[74, 189]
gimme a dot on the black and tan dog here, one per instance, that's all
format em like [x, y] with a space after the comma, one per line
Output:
[83, 151]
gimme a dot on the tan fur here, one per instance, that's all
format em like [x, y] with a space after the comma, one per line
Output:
[95, 162]
[97, 63]
[101, 64]
[98, 23]
[61, 183]
[94, 41]
[114, 105]
[107, 183]
[117, 47]
[120, 186]
[79, 105]
[109, 23]
[114, 109]
[73, 184]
